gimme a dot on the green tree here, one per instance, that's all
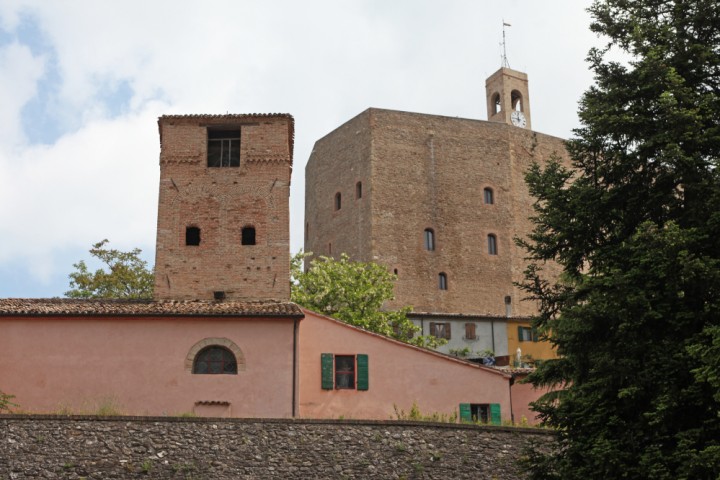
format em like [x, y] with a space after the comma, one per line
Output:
[127, 276]
[354, 292]
[634, 225]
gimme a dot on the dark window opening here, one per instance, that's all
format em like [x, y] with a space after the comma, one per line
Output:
[516, 101]
[480, 412]
[492, 244]
[338, 201]
[440, 330]
[248, 236]
[442, 281]
[219, 295]
[358, 190]
[395, 271]
[488, 195]
[344, 371]
[527, 334]
[429, 239]
[215, 360]
[192, 236]
[329, 248]
[223, 148]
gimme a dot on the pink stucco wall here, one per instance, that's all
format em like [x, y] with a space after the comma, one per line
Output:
[522, 395]
[138, 365]
[398, 374]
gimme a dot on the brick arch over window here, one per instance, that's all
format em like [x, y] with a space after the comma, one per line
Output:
[207, 342]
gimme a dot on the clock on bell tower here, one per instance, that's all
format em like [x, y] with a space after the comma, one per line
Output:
[508, 98]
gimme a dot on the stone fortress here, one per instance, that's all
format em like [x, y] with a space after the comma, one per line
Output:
[438, 200]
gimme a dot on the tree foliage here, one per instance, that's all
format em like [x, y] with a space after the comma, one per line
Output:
[354, 292]
[127, 276]
[6, 403]
[634, 225]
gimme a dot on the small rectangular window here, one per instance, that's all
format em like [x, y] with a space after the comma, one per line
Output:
[492, 244]
[192, 236]
[344, 372]
[247, 236]
[470, 331]
[223, 148]
[440, 330]
[358, 190]
[527, 334]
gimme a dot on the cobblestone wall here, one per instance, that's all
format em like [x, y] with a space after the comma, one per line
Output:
[41, 447]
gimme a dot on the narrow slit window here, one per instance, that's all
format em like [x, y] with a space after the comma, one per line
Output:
[489, 196]
[192, 236]
[442, 281]
[223, 148]
[248, 236]
[497, 106]
[358, 190]
[429, 239]
[492, 244]
[338, 201]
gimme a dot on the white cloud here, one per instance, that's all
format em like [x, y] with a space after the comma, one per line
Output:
[19, 73]
[324, 61]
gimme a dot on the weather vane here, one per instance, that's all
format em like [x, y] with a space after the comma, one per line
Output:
[503, 59]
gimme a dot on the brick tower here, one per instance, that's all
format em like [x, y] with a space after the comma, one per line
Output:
[508, 98]
[438, 201]
[223, 217]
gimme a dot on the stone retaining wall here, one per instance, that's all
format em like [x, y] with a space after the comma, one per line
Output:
[40, 447]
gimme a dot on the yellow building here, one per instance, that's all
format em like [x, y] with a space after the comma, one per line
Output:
[520, 335]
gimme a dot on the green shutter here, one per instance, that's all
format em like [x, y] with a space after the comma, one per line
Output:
[326, 362]
[495, 418]
[362, 372]
[520, 333]
[465, 412]
[535, 336]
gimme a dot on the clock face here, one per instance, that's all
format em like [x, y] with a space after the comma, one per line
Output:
[518, 119]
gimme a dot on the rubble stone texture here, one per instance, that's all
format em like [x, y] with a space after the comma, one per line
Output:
[33, 447]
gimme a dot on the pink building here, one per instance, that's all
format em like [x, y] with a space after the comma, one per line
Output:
[221, 337]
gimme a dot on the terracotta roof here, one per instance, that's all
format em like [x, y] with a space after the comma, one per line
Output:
[71, 306]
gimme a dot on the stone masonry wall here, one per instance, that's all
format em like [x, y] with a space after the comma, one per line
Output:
[429, 172]
[41, 447]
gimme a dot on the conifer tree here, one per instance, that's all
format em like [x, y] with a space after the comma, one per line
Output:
[635, 227]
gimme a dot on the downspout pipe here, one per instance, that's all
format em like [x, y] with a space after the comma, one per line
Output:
[294, 374]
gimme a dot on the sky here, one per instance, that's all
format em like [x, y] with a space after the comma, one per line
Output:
[83, 82]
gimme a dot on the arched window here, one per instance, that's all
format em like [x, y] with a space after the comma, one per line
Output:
[492, 244]
[213, 360]
[358, 190]
[192, 236]
[516, 101]
[248, 236]
[496, 105]
[442, 281]
[338, 201]
[488, 196]
[429, 239]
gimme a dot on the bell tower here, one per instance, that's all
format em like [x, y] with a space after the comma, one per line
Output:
[508, 98]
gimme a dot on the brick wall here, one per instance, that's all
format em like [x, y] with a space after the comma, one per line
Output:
[428, 171]
[221, 202]
[33, 447]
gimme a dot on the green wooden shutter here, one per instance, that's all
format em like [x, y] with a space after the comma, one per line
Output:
[535, 335]
[465, 412]
[495, 417]
[520, 333]
[326, 362]
[362, 372]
